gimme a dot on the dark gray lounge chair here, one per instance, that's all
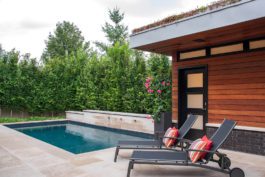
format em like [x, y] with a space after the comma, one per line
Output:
[181, 158]
[155, 144]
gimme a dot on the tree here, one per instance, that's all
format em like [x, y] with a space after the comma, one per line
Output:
[136, 92]
[9, 91]
[159, 66]
[1, 51]
[28, 83]
[115, 32]
[66, 40]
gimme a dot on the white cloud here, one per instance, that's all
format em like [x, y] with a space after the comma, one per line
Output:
[25, 25]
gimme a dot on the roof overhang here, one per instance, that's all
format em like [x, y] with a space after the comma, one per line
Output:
[243, 20]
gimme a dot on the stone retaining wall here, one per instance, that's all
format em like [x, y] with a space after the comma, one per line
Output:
[119, 120]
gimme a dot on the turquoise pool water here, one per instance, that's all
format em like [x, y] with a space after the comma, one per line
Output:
[78, 138]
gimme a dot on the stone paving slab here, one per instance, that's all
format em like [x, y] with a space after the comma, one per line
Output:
[24, 156]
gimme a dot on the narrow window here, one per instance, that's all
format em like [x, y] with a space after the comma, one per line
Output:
[192, 54]
[257, 44]
[195, 101]
[227, 49]
[198, 124]
[195, 80]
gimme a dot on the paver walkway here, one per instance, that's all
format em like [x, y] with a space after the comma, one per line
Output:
[24, 156]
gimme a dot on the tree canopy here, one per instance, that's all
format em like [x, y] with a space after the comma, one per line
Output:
[114, 31]
[66, 40]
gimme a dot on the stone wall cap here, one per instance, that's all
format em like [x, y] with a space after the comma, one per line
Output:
[257, 129]
[117, 113]
[75, 112]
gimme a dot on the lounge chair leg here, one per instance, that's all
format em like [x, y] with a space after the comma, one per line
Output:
[181, 145]
[116, 153]
[130, 167]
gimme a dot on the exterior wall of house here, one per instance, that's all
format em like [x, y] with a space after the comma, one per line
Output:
[236, 87]
[236, 90]
[250, 141]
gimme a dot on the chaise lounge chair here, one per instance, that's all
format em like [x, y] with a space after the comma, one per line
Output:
[181, 158]
[155, 144]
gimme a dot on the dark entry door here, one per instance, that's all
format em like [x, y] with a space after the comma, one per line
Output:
[193, 98]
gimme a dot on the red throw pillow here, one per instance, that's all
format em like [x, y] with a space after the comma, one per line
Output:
[196, 145]
[166, 135]
[167, 132]
[171, 132]
[208, 146]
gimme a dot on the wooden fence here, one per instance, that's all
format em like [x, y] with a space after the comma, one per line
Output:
[7, 112]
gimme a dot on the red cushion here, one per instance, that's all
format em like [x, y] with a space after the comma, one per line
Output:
[176, 132]
[166, 135]
[172, 132]
[196, 145]
[208, 146]
[167, 132]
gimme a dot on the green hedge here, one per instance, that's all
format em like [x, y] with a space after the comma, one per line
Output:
[112, 81]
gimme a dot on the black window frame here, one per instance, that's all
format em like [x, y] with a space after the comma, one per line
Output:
[246, 48]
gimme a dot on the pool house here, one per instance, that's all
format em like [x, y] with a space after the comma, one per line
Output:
[218, 64]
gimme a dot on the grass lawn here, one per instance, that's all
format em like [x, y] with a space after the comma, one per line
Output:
[15, 119]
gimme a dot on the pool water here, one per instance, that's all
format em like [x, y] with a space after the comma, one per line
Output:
[77, 138]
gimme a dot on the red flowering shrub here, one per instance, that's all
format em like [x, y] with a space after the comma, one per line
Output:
[159, 93]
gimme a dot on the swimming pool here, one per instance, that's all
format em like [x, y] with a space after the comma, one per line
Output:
[77, 137]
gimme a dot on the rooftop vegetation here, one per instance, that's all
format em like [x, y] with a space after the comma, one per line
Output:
[174, 18]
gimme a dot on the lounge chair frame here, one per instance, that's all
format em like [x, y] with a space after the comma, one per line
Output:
[187, 162]
[158, 144]
[223, 161]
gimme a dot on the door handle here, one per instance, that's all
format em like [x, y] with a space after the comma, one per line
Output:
[205, 106]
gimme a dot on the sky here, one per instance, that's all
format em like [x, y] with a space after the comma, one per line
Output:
[26, 24]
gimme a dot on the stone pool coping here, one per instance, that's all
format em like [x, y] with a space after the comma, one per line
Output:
[65, 121]
[36, 121]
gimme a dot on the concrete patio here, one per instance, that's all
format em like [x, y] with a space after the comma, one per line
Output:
[23, 156]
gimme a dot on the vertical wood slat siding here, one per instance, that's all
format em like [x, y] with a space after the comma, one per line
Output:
[236, 87]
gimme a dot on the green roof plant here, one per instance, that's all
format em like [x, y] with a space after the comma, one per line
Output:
[174, 18]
